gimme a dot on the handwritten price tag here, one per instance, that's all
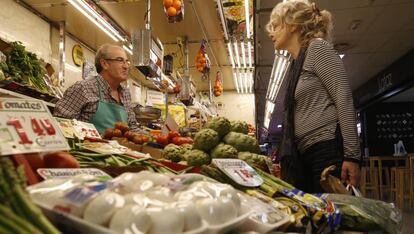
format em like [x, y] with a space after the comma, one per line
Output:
[239, 171]
[66, 126]
[85, 130]
[26, 126]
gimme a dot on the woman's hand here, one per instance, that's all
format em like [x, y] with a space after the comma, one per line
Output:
[351, 173]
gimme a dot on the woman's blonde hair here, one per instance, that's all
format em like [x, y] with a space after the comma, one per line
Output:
[305, 16]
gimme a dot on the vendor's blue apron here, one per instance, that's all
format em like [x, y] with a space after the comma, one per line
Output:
[107, 113]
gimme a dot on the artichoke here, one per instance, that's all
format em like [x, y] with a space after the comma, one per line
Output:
[239, 126]
[173, 152]
[255, 159]
[197, 157]
[223, 151]
[205, 139]
[186, 147]
[219, 124]
[242, 142]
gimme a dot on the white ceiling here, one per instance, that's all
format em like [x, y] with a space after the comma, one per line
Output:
[385, 34]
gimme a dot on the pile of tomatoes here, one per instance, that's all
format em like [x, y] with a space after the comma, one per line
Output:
[173, 137]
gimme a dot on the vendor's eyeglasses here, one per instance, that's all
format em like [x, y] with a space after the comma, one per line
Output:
[120, 60]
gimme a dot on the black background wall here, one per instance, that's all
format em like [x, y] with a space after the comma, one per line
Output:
[386, 124]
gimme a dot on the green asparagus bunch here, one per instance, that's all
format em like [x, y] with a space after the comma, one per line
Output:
[19, 215]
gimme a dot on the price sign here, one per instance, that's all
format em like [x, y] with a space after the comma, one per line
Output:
[85, 130]
[66, 126]
[239, 171]
[50, 173]
[26, 126]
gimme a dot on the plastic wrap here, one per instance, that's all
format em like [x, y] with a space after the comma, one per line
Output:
[144, 202]
[363, 214]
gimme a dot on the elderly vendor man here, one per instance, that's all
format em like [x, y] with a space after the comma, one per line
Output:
[102, 99]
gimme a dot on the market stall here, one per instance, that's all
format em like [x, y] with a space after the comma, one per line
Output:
[208, 183]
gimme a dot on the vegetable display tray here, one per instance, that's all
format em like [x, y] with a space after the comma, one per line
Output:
[22, 89]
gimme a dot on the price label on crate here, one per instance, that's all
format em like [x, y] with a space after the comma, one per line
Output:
[26, 126]
[85, 130]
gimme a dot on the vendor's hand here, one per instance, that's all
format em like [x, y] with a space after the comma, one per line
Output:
[351, 173]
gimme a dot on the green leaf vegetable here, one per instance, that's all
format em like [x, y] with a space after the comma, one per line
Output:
[24, 67]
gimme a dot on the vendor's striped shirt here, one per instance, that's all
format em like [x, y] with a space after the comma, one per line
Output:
[323, 98]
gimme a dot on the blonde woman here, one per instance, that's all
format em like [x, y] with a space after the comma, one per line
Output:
[319, 127]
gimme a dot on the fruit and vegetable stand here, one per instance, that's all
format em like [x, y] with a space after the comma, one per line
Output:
[215, 182]
[207, 176]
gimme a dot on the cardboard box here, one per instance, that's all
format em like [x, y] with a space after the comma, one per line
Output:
[154, 152]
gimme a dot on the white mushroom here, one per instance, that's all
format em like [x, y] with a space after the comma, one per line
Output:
[165, 220]
[130, 219]
[101, 209]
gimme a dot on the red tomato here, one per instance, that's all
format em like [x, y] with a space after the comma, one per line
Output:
[182, 140]
[163, 140]
[173, 134]
[35, 161]
[60, 160]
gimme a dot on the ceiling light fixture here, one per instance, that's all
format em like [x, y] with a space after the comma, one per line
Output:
[251, 81]
[249, 52]
[231, 54]
[279, 69]
[236, 82]
[341, 56]
[97, 19]
[243, 54]
[127, 49]
[223, 21]
[241, 82]
[279, 126]
[246, 83]
[236, 49]
[247, 16]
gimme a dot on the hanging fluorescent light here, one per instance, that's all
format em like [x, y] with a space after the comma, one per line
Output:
[251, 81]
[97, 19]
[236, 49]
[223, 21]
[101, 19]
[231, 54]
[247, 16]
[127, 49]
[271, 81]
[280, 77]
[249, 52]
[236, 82]
[274, 78]
[269, 107]
[245, 82]
[243, 54]
[241, 82]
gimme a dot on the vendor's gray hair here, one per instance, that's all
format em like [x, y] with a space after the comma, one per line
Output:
[103, 53]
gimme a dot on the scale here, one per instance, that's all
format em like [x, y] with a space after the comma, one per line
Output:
[148, 51]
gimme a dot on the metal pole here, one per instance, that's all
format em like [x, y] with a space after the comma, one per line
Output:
[148, 16]
[62, 31]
